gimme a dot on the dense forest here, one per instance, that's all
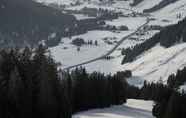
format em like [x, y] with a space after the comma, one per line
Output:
[167, 37]
[31, 86]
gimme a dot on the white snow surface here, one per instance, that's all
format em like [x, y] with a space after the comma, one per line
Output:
[82, 16]
[71, 56]
[146, 4]
[154, 64]
[159, 62]
[132, 109]
[114, 65]
[60, 2]
[170, 13]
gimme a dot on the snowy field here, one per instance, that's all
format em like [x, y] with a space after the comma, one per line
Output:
[151, 65]
[132, 109]
[70, 56]
[168, 15]
[67, 54]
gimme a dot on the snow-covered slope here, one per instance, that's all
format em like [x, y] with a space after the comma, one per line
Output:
[70, 56]
[169, 14]
[114, 65]
[132, 109]
[146, 4]
[157, 63]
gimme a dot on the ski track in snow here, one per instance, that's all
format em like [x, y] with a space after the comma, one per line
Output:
[132, 109]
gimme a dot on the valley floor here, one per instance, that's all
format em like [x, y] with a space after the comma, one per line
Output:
[132, 109]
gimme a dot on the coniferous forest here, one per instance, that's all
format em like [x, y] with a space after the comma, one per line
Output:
[31, 86]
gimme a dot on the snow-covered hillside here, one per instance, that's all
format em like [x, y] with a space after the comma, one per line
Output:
[169, 14]
[132, 109]
[67, 54]
[157, 63]
[146, 4]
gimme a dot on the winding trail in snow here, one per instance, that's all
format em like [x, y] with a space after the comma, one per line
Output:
[116, 46]
[111, 50]
[132, 109]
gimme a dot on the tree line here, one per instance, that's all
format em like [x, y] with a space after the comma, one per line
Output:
[31, 86]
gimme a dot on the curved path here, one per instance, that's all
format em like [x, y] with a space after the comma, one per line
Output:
[132, 109]
[111, 50]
